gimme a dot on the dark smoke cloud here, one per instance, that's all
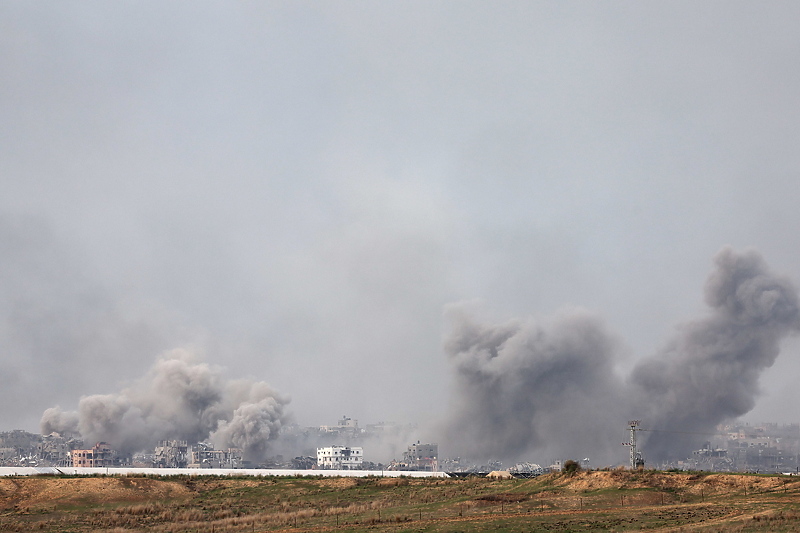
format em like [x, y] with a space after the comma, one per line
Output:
[177, 399]
[549, 387]
[531, 385]
[708, 373]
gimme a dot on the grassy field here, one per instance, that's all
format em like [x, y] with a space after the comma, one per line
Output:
[588, 501]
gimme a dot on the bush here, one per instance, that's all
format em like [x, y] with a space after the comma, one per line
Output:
[572, 467]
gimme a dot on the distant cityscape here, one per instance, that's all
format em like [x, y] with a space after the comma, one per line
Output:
[736, 447]
[741, 447]
[335, 450]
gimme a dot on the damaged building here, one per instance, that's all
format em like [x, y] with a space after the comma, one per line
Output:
[340, 458]
[203, 455]
[171, 454]
[98, 456]
[424, 457]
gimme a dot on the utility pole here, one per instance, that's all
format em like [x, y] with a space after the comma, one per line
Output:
[636, 458]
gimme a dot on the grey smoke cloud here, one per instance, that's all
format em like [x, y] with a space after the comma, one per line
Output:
[543, 385]
[179, 398]
[532, 385]
[295, 183]
[549, 386]
[709, 371]
[55, 420]
[256, 419]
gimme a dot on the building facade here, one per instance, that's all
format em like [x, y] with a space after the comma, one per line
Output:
[422, 457]
[340, 458]
[99, 455]
[171, 454]
[203, 455]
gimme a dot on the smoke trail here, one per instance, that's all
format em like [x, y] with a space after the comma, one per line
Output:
[708, 373]
[177, 399]
[531, 385]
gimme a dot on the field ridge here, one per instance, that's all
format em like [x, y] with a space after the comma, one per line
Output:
[604, 500]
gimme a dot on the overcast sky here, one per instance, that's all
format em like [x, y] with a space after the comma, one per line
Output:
[296, 190]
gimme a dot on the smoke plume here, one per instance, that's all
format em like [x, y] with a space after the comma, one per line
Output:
[531, 385]
[708, 373]
[549, 386]
[255, 421]
[177, 399]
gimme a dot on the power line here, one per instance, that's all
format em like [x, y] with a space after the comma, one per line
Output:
[636, 458]
[680, 432]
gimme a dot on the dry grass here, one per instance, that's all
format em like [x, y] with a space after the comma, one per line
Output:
[588, 501]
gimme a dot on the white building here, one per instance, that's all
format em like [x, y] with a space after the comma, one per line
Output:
[340, 458]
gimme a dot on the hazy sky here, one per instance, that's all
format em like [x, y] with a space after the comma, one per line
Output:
[296, 190]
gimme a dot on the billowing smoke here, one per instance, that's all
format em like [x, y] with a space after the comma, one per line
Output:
[65, 423]
[531, 385]
[708, 373]
[544, 386]
[254, 422]
[177, 399]
[549, 387]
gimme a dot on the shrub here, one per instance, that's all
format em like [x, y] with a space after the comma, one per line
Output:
[572, 467]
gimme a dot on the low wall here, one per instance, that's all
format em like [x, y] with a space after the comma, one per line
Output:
[122, 471]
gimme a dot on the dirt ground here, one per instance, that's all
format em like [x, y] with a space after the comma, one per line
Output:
[690, 483]
[37, 491]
